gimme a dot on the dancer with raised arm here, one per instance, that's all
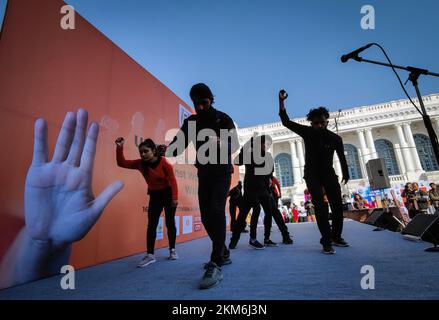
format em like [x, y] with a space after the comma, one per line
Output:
[162, 190]
[320, 145]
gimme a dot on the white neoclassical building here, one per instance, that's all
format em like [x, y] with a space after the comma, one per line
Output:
[393, 130]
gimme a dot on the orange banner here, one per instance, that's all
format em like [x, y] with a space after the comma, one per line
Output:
[47, 71]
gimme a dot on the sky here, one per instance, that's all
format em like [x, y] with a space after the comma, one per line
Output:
[246, 50]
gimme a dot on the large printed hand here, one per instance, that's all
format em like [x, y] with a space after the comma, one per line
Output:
[59, 203]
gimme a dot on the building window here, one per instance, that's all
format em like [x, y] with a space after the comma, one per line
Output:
[385, 150]
[425, 152]
[284, 170]
[353, 161]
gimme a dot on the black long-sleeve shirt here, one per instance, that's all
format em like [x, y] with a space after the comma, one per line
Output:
[319, 148]
[216, 121]
[258, 169]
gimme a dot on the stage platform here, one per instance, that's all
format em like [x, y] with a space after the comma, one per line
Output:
[403, 270]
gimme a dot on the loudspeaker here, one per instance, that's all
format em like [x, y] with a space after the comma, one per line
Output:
[377, 174]
[383, 219]
[424, 227]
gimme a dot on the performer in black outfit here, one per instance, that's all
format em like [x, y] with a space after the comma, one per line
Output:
[268, 221]
[214, 177]
[278, 219]
[320, 144]
[257, 192]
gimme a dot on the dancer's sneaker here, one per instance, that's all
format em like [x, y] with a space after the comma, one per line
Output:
[340, 243]
[255, 244]
[287, 240]
[147, 260]
[212, 276]
[328, 249]
[269, 243]
[244, 231]
[173, 255]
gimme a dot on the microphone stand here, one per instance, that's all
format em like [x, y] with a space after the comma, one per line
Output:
[413, 78]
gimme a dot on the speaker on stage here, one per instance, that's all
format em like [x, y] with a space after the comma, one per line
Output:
[424, 227]
[377, 174]
[383, 220]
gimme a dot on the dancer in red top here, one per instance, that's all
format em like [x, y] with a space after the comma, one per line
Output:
[162, 190]
[275, 187]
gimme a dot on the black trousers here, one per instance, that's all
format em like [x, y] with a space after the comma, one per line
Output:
[232, 208]
[212, 197]
[256, 212]
[254, 199]
[233, 205]
[329, 182]
[159, 199]
[278, 219]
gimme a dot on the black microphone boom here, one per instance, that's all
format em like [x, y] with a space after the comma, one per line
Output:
[354, 54]
[413, 77]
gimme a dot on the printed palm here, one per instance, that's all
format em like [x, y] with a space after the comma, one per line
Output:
[59, 203]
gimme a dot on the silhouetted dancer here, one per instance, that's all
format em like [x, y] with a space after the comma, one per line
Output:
[214, 175]
[257, 182]
[320, 144]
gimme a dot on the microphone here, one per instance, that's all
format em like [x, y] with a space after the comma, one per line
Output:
[354, 54]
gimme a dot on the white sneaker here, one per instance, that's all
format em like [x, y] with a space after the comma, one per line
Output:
[173, 255]
[148, 259]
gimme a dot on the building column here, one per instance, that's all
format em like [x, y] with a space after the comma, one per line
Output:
[364, 150]
[270, 149]
[411, 142]
[408, 161]
[436, 125]
[295, 164]
[371, 144]
[400, 158]
[301, 156]
[362, 165]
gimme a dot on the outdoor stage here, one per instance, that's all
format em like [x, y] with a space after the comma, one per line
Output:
[402, 271]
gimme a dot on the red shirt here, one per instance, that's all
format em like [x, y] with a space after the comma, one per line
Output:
[276, 187]
[158, 178]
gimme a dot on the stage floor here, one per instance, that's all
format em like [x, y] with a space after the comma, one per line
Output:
[300, 271]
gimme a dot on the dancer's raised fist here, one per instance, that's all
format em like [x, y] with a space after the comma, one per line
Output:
[283, 95]
[161, 149]
[120, 141]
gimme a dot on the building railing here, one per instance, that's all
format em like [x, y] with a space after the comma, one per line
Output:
[398, 178]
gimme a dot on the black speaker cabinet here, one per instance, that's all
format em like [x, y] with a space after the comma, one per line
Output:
[424, 227]
[383, 219]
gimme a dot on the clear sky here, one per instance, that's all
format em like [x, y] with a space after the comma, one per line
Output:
[246, 50]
